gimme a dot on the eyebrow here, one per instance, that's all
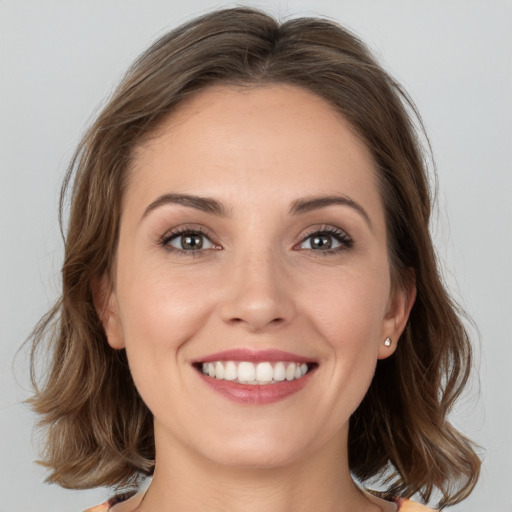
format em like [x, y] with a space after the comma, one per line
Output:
[305, 205]
[298, 207]
[205, 204]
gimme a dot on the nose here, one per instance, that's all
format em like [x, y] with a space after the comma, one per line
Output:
[258, 293]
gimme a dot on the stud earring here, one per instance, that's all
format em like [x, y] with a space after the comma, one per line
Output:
[387, 342]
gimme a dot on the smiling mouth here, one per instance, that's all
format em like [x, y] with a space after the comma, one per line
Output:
[262, 373]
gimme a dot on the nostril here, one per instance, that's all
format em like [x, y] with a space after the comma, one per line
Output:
[237, 320]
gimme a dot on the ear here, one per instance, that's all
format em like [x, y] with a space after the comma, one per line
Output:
[105, 303]
[397, 313]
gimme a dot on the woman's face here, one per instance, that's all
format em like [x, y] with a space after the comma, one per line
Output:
[252, 249]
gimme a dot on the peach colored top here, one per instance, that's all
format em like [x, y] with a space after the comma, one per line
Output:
[411, 506]
[403, 505]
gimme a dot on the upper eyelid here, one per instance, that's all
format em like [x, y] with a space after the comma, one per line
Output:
[324, 228]
[183, 229]
[187, 228]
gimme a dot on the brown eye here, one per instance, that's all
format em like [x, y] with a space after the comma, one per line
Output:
[327, 240]
[190, 241]
[321, 242]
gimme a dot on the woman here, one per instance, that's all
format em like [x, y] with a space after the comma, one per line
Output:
[251, 309]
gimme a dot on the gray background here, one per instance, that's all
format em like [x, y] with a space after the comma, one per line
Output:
[59, 60]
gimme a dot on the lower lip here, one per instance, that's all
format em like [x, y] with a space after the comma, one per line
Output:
[255, 394]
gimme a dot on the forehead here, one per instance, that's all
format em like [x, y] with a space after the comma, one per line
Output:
[258, 114]
[233, 142]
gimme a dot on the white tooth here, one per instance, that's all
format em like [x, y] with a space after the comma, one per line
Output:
[219, 370]
[246, 372]
[279, 372]
[249, 373]
[264, 372]
[230, 371]
[290, 371]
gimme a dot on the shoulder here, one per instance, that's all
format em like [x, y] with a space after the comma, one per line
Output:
[105, 507]
[411, 506]
[100, 508]
[402, 505]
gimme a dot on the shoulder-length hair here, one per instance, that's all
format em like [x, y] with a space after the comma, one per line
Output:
[99, 431]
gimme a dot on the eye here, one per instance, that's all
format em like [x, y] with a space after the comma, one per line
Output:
[328, 239]
[188, 241]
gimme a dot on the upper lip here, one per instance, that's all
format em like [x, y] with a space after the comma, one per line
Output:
[253, 356]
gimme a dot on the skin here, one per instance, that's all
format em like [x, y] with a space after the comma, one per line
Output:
[257, 283]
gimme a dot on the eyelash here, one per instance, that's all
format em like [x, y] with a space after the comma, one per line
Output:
[345, 241]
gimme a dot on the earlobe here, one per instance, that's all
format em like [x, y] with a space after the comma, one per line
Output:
[397, 315]
[105, 303]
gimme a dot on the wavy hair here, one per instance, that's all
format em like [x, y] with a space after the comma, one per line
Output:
[98, 430]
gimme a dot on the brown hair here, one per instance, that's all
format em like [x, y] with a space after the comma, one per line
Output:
[99, 432]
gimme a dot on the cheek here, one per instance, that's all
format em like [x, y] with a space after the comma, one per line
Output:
[162, 310]
[349, 308]
[349, 312]
[159, 317]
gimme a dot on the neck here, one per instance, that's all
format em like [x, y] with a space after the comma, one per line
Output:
[186, 481]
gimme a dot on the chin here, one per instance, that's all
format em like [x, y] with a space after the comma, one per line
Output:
[262, 449]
